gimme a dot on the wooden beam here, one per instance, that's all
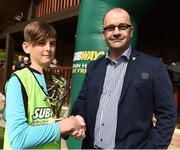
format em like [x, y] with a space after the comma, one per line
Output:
[31, 11]
[13, 29]
[51, 18]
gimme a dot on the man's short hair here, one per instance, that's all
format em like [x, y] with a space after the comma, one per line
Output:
[38, 31]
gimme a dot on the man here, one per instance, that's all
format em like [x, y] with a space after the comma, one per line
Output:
[122, 91]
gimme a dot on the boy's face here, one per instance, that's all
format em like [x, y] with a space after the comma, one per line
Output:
[41, 53]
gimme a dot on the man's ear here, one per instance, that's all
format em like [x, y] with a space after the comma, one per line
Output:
[26, 47]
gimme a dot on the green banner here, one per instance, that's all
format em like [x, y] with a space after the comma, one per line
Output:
[89, 39]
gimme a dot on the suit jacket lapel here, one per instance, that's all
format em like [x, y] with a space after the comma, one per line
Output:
[133, 61]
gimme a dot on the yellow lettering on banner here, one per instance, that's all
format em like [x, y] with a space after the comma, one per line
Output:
[84, 65]
[82, 70]
[79, 70]
[74, 70]
[76, 65]
[91, 56]
[85, 55]
[97, 54]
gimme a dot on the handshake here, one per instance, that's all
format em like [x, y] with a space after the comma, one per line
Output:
[74, 126]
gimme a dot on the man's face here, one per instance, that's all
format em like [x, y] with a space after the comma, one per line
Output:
[42, 53]
[117, 30]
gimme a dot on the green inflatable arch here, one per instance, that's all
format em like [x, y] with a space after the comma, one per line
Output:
[89, 40]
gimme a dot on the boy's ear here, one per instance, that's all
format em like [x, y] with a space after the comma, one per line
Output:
[26, 47]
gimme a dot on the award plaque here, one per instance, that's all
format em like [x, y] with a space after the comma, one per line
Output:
[57, 89]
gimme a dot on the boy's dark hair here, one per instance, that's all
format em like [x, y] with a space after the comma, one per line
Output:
[38, 31]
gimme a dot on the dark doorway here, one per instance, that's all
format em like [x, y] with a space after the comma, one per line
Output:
[158, 34]
[159, 31]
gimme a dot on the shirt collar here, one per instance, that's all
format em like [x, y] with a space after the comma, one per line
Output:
[126, 55]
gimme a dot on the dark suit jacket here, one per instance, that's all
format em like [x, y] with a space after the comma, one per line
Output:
[147, 90]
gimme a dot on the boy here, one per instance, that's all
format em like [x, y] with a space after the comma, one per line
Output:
[27, 114]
